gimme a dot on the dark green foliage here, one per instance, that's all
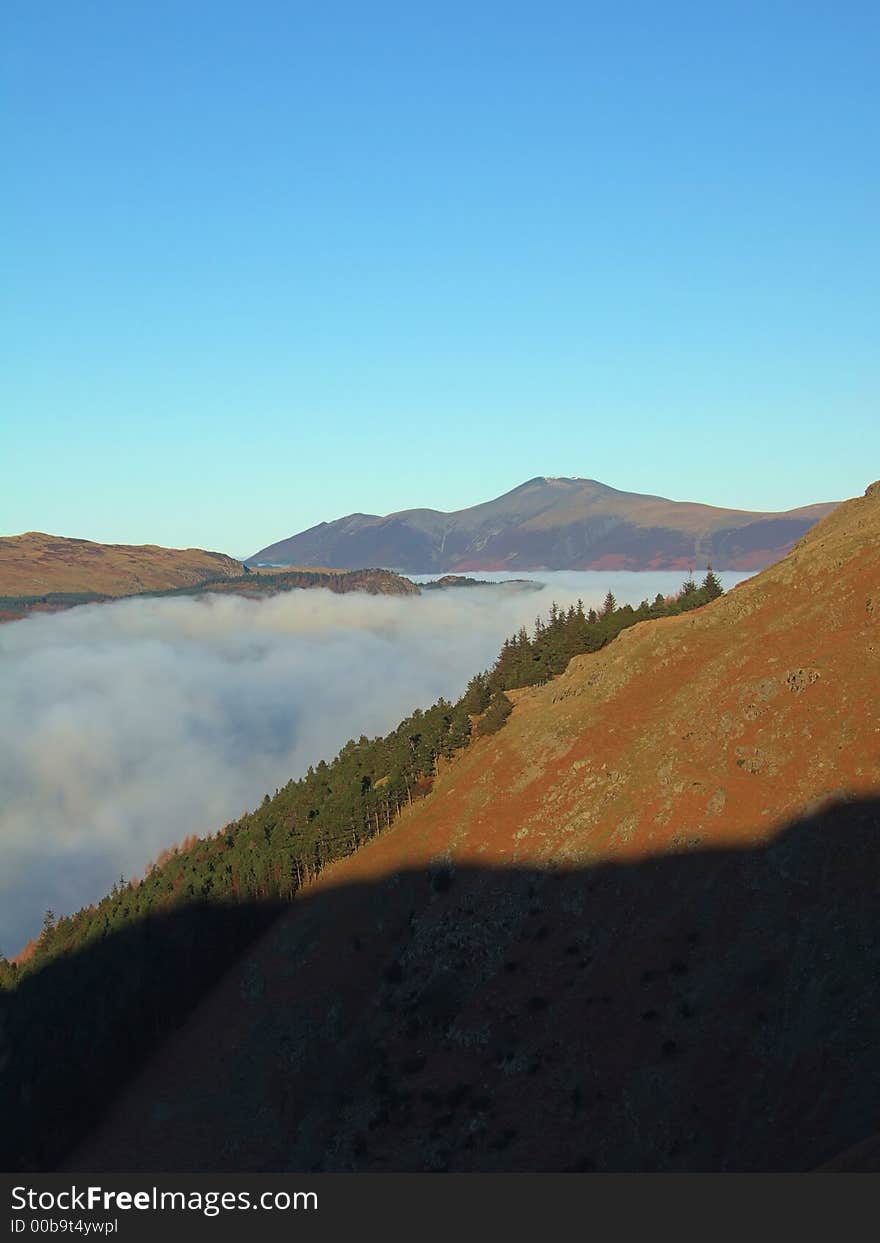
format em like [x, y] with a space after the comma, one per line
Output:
[51, 601]
[693, 597]
[496, 714]
[528, 661]
[476, 697]
[711, 584]
[7, 973]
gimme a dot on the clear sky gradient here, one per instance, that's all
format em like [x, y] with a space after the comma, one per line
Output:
[265, 264]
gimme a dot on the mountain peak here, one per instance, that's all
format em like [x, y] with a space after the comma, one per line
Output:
[551, 522]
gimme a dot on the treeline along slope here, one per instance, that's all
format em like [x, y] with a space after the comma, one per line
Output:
[99, 988]
[633, 929]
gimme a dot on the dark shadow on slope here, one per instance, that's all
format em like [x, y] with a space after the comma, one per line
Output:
[77, 1029]
[709, 1010]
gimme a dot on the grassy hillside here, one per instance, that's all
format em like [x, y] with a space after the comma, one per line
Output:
[35, 564]
[632, 926]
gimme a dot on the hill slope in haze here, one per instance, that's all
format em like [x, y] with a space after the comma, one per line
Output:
[98, 573]
[635, 929]
[553, 524]
[35, 564]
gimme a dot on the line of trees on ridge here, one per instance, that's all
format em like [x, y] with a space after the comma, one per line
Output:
[99, 989]
[273, 851]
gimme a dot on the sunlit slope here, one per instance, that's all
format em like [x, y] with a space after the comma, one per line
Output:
[636, 929]
[34, 564]
[712, 726]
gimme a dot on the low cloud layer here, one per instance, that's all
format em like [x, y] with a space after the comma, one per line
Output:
[126, 727]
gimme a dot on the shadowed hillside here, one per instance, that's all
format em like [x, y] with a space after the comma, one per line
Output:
[634, 928]
[706, 1010]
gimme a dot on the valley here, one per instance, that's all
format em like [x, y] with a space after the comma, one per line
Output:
[568, 898]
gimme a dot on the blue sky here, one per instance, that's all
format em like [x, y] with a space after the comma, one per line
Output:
[268, 263]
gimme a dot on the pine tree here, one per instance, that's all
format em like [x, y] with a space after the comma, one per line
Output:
[608, 605]
[476, 697]
[711, 585]
[7, 972]
[49, 923]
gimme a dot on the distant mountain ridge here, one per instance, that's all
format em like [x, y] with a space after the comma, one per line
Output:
[552, 524]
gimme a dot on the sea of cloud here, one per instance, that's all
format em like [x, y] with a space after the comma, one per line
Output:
[126, 727]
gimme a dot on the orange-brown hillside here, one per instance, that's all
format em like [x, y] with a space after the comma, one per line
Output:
[34, 564]
[635, 929]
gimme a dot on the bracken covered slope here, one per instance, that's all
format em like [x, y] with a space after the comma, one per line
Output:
[553, 524]
[634, 930]
[35, 564]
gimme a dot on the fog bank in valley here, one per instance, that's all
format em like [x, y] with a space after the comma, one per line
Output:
[126, 727]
